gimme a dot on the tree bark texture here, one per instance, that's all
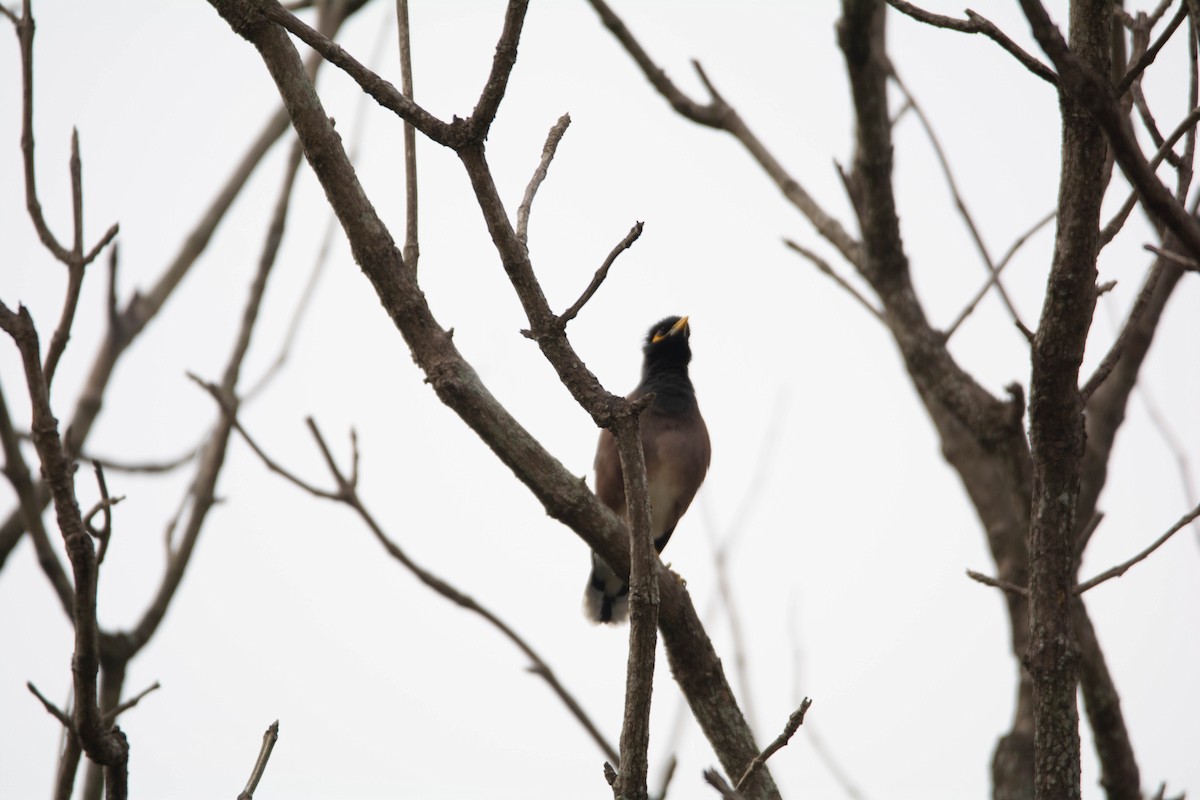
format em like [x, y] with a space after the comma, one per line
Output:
[1056, 422]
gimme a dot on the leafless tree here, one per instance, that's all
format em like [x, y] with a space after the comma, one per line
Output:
[1033, 470]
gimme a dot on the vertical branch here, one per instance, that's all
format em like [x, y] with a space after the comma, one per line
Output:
[643, 611]
[412, 250]
[30, 509]
[25, 28]
[105, 745]
[1056, 421]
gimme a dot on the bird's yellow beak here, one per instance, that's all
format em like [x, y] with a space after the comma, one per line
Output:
[676, 328]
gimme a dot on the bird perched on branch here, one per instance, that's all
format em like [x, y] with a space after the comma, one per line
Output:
[675, 441]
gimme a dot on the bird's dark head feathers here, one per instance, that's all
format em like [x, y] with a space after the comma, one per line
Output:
[667, 343]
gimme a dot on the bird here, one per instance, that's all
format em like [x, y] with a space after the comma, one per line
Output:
[677, 448]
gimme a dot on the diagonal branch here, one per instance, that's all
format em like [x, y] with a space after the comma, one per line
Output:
[384, 92]
[823, 266]
[1147, 58]
[601, 274]
[1122, 568]
[1004, 261]
[959, 203]
[974, 23]
[789, 730]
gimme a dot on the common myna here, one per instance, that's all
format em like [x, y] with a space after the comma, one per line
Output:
[675, 441]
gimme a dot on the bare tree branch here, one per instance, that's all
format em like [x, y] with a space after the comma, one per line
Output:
[643, 608]
[714, 779]
[1017, 244]
[270, 736]
[1186, 126]
[52, 709]
[789, 730]
[347, 493]
[1189, 264]
[823, 265]
[539, 175]
[601, 274]
[1122, 568]
[113, 713]
[974, 23]
[105, 746]
[987, 580]
[959, 203]
[412, 247]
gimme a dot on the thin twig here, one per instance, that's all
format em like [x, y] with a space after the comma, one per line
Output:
[145, 467]
[959, 202]
[793, 724]
[995, 275]
[412, 248]
[987, 580]
[112, 715]
[74, 257]
[601, 274]
[104, 505]
[1188, 161]
[824, 267]
[714, 779]
[25, 28]
[229, 409]
[54, 710]
[1179, 259]
[539, 175]
[1122, 568]
[270, 736]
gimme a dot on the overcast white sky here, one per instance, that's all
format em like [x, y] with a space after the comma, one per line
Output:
[849, 567]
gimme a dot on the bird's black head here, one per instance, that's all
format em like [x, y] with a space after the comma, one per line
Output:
[667, 345]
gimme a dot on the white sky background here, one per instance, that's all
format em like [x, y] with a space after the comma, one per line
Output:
[849, 569]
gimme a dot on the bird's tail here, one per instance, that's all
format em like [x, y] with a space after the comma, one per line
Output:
[607, 596]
